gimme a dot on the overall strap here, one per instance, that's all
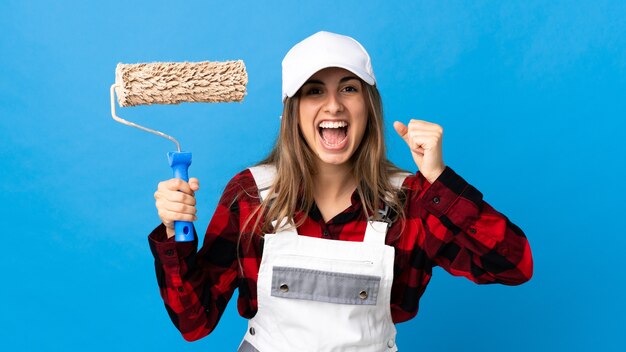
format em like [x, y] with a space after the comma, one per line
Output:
[398, 179]
[264, 176]
[376, 231]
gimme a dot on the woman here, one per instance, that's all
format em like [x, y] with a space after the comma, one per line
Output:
[327, 241]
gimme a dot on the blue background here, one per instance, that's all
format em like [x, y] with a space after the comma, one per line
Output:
[531, 95]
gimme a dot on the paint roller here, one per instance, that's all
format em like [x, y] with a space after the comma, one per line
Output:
[174, 83]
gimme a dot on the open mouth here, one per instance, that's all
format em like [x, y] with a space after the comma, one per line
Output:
[333, 133]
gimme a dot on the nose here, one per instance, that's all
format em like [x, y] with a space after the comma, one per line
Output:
[333, 103]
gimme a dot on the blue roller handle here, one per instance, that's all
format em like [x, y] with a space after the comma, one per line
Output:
[180, 161]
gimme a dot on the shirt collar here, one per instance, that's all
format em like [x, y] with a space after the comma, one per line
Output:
[347, 215]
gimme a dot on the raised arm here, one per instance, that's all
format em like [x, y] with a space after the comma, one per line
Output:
[466, 236]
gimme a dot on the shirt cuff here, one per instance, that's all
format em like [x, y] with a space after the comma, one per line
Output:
[452, 197]
[166, 250]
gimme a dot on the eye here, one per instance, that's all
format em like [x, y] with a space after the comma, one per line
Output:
[350, 89]
[313, 91]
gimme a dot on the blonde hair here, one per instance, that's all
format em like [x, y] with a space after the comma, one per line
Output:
[292, 189]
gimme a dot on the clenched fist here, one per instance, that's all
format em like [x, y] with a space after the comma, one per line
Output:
[425, 140]
[175, 201]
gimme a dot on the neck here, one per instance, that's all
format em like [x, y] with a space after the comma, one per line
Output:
[333, 181]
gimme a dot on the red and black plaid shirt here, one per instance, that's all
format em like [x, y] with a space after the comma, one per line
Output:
[447, 224]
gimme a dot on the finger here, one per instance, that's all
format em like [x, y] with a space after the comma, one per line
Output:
[177, 197]
[418, 150]
[177, 208]
[421, 124]
[421, 133]
[416, 147]
[427, 140]
[168, 217]
[175, 184]
[402, 130]
[194, 184]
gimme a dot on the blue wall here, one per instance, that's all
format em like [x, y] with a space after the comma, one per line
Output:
[532, 97]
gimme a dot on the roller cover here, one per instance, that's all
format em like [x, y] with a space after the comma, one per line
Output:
[177, 82]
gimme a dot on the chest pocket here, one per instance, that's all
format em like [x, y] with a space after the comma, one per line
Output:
[324, 286]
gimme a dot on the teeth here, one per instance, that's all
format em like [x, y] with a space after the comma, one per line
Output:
[333, 124]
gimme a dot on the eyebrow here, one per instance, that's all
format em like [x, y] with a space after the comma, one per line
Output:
[317, 81]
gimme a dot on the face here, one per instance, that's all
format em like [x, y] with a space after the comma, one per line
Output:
[333, 115]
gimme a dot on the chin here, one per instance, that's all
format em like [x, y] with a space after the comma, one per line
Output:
[334, 159]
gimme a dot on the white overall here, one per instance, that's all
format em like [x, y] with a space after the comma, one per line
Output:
[318, 295]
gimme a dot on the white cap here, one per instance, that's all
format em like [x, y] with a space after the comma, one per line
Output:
[322, 50]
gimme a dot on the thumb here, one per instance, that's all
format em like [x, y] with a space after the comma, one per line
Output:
[194, 184]
[402, 130]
